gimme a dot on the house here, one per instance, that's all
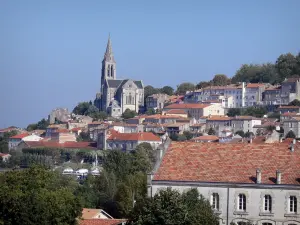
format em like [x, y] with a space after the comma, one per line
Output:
[109, 139]
[197, 128]
[205, 138]
[176, 128]
[244, 123]
[63, 135]
[14, 141]
[218, 123]
[154, 127]
[4, 157]
[292, 124]
[176, 112]
[103, 222]
[196, 110]
[244, 182]
[136, 120]
[288, 108]
[156, 101]
[9, 129]
[271, 96]
[290, 90]
[52, 144]
[53, 128]
[254, 93]
[126, 128]
[95, 214]
[157, 118]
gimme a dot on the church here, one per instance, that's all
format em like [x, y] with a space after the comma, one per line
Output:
[117, 95]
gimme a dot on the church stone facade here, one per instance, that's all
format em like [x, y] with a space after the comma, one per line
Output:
[117, 95]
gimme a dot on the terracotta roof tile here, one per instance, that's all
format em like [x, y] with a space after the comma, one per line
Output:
[233, 163]
[187, 106]
[255, 85]
[19, 136]
[102, 222]
[68, 144]
[288, 107]
[176, 111]
[219, 118]
[142, 136]
[206, 138]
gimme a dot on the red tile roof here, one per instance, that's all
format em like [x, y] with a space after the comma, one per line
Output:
[255, 85]
[187, 106]
[206, 138]
[288, 107]
[218, 118]
[245, 118]
[3, 130]
[19, 136]
[68, 144]
[102, 222]
[233, 163]
[3, 154]
[76, 129]
[176, 111]
[142, 136]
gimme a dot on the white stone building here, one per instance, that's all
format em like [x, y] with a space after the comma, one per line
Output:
[256, 183]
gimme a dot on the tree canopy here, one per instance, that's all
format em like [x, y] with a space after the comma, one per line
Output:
[290, 134]
[41, 125]
[149, 90]
[295, 102]
[184, 87]
[170, 207]
[88, 109]
[4, 140]
[220, 80]
[211, 131]
[167, 90]
[127, 114]
[36, 194]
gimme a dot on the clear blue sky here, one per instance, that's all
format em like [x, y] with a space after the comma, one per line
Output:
[51, 51]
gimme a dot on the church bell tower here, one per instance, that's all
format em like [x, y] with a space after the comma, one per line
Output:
[108, 64]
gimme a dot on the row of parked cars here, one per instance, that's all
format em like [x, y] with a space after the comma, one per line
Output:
[81, 172]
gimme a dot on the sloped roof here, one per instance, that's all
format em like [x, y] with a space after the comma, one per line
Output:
[187, 106]
[288, 107]
[101, 221]
[68, 144]
[206, 138]
[118, 83]
[230, 163]
[218, 118]
[176, 111]
[142, 136]
[19, 136]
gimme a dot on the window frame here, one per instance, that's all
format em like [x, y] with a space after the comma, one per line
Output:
[292, 206]
[267, 203]
[215, 201]
[242, 202]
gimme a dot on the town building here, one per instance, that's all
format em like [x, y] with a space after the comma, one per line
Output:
[244, 123]
[288, 109]
[197, 110]
[244, 182]
[290, 90]
[111, 139]
[117, 95]
[156, 101]
[219, 124]
[14, 141]
[292, 124]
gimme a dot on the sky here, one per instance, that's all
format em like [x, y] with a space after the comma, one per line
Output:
[51, 51]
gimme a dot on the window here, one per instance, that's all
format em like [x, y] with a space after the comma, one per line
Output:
[267, 224]
[215, 201]
[293, 204]
[242, 202]
[268, 203]
[242, 223]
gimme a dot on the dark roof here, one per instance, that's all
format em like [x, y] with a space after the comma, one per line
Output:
[138, 83]
[114, 83]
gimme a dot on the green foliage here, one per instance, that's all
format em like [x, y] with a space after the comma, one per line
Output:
[150, 111]
[249, 134]
[203, 84]
[101, 115]
[83, 136]
[295, 102]
[41, 125]
[149, 90]
[188, 135]
[81, 108]
[241, 133]
[4, 141]
[170, 207]
[88, 109]
[36, 195]
[275, 115]
[211, 131]
[256, 73]
[232, 112]
[127, 114]
[255, 111]
[220, 80]
[181, 137]
[184, 87]
[174, 137]
[290, 134]
[167, 90]
[270, 128]
[288, 65]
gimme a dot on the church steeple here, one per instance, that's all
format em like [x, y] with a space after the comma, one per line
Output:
[109, 55]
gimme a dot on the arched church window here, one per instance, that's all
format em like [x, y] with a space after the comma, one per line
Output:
[112, 71]
[130, 99]
[108, 71]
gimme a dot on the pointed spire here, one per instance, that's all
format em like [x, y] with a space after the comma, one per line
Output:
[109, 56]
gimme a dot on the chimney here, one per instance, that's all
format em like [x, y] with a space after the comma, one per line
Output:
[278, 177]
[250, 140]
[258, 176]
[280, 139]
[294, 141]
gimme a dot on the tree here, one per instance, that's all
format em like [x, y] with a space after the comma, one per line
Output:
[257, 73]
[91, 110]
[36, 194]
[81, 108]
[84, 136]
[287, 65]
[290, 134]
[220, 80]
[211, 131]
[184, 87]
[41, 125]
[181, 137]
[101, 115]
[127, 114]
[249, 134]
[167, 90]
[170, 207]
[4, 140]
[203, 84]
[188, 135]
[255, 111]
[241, 133]
[232, 112]
[149, 90]
[150, 111]
[295, 102]
[270, 128]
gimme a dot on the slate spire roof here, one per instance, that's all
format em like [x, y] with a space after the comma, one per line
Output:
[109, 56]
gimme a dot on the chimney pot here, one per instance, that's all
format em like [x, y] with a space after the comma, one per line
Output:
[278, 177]
[258, 176]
